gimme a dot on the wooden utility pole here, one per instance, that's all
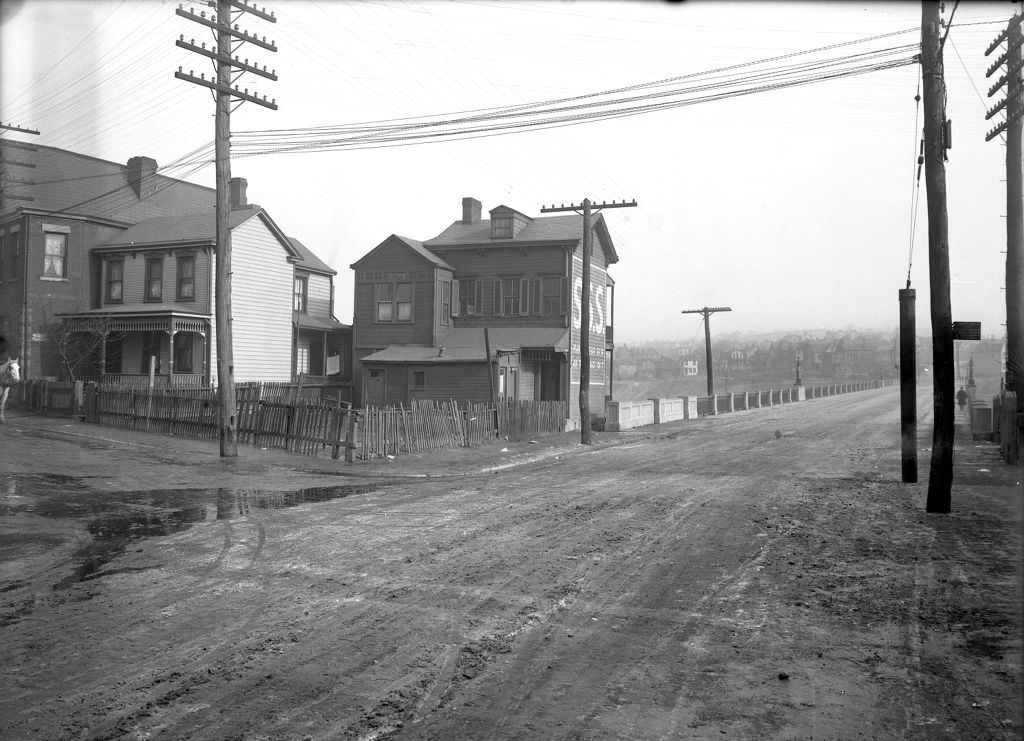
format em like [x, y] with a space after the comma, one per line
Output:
[228, 39]
[908, 384]
[706, 312]
[1014, 106]
[587, 208]
[940, 477]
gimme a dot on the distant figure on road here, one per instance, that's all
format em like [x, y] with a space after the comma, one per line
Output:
[961, 397]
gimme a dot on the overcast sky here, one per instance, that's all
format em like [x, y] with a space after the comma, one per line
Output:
[794, 207]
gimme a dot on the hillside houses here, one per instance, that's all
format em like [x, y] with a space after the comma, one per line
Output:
[832, 356]
[108, 270]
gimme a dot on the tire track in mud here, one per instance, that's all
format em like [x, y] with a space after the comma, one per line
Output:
[530, 670]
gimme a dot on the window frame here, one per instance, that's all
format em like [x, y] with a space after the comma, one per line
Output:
[109, 282]
[502, 226]
[446, 301]
[48, 256]
[546, 307]
[471, 302]
[183, 350]
[300, 299]
[390, 295]
[151, 278]
[184, 260]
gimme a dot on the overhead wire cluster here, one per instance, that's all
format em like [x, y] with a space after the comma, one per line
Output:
[785, 71]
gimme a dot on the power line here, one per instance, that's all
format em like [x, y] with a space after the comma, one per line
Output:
[543, 115]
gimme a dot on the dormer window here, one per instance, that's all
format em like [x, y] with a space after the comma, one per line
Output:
[501, 226]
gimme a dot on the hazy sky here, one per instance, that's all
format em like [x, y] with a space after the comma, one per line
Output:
[794, 207]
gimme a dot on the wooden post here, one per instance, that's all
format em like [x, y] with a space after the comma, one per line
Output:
[490, 377]
[908, 384]
[350, 437]
[1014, 237]
[940, 477]
[152, 383]
[225, 349]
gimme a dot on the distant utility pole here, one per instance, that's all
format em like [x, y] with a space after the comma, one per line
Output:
[706, 312]
[1013, 124]
[587, 208]
[228, 40]
[936, 128]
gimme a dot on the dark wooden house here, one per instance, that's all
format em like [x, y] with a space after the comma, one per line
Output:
[426, 313]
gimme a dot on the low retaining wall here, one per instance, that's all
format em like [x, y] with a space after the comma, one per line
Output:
[627, 415]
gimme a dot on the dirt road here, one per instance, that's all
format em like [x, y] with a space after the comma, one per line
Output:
[758, 575]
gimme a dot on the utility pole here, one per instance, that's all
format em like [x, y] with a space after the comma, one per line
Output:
[936, 127]
[228, 40]
[908, 384]
[587, 208]
[1013, 124]
[706, 312]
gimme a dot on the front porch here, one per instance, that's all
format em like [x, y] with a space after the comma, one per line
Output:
[171, 346]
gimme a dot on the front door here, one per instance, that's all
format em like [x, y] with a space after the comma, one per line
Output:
[375, 382]
[549, 387]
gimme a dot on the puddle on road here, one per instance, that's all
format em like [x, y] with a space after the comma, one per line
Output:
[117, 519]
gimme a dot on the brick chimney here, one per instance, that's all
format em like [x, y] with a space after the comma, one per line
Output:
[471, 210]
[236, 190]
[141, 172]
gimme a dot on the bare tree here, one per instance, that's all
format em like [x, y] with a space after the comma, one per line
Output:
[80, 342]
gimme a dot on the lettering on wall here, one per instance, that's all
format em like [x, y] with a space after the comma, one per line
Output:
[598, 300]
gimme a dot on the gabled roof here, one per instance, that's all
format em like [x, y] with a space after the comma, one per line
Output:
[195, 229]
[413, 245]
[309, 261]
[88, 186]
[551, 229]
[177, 229]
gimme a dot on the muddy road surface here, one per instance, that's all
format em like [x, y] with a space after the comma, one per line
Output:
[757, 575]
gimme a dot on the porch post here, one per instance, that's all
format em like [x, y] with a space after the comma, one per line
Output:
[170, 351]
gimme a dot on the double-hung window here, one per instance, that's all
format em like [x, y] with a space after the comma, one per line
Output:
[446, 301]
[55, 255]
[301, 304]
[394, 302]
[511, 296]
[186, 278]
[551, 296]
[470, 296]
[154, 279]
[115, 281]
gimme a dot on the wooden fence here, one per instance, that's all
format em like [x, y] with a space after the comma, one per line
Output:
[282, 417]
[430, 425]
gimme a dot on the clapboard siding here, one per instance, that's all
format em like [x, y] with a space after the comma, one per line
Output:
[319, 295]
[512, 260]
[461, 381]
[134, 279]
[394, 262]
[262, 284]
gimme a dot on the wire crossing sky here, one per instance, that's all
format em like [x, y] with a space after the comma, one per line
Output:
[771, 146]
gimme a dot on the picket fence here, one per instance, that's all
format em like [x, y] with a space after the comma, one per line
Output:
[300, 420]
